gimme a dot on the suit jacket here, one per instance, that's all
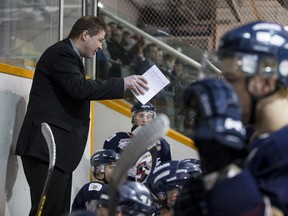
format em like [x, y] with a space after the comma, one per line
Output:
[60, 95]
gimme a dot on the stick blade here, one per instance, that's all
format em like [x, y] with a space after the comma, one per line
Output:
[48, 135]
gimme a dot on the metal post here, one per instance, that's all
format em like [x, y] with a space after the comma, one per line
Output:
[61, 19]
[95, 13]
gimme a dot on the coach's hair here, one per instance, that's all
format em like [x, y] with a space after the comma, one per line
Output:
[93, 24]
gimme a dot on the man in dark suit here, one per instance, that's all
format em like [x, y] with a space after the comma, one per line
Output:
[151, 57]
[61, 95]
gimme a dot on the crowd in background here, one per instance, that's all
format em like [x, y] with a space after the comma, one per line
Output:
[125, 53]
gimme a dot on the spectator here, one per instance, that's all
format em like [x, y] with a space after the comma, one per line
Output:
[112, 25]
[126, 42]
[168, 64]
[177, 82]
[103, 58]
[135, 53]
[118, 54]
[160, 59]
[150, 53]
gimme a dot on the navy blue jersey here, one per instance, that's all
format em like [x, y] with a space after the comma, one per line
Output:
[87, 193]
[269, 166]
[236, 196]
[119, 141]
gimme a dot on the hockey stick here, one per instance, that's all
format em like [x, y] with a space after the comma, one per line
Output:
[140, 143]
[48, 135]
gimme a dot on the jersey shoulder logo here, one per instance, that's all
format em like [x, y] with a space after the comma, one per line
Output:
[124, 142]
[95, 186]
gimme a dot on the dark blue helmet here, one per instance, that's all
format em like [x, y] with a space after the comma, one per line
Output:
[260, 47]
[171, 175]
[102, 157]
[194, 161]
[135, 198]
[218, 113]
[139, 107]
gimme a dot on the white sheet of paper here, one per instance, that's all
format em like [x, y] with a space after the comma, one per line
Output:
[156, 82]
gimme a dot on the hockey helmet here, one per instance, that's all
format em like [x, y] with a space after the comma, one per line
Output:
[139, 107]
[135, 198]
[170, 175]
[259, 47]
[102, 157]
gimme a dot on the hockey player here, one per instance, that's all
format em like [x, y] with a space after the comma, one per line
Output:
[224, 187]
[102, 200]
[167, 181]
[142, 114]
[254, 59]
[102, 164]
[135, 199]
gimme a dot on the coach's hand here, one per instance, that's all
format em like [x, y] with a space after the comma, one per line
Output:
[136, 83]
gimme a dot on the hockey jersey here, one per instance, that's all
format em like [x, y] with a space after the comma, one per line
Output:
[268, 163]
[87, 194]
[120, 140]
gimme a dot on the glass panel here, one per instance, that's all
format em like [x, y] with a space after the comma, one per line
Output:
[126, 56]
[28, 27]
[72, 12]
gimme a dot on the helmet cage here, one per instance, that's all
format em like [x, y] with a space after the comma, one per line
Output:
[252, 64]
[147, 112]
[260, 38]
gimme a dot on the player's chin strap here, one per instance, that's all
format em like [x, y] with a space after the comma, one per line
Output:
[255, 99]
